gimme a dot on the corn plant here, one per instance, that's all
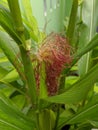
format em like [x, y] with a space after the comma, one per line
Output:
[48, 81]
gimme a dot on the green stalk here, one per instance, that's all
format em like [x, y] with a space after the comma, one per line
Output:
[72, 21]
[28, 69]
[70, 34]
[57, 117]
[16, 14]
[29, 73]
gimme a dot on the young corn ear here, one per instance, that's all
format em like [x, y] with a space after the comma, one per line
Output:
[55, 53]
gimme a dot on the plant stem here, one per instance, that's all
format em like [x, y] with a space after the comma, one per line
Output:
[28, 69]
[72, 21]
[16, 14]
[29, 73]
[70, 34]
[57, 117]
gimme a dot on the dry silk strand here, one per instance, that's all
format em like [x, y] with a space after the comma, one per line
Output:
[55, 53]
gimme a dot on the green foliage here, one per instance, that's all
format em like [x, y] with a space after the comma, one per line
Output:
[23, 106]
[73, 95]
[72, 21]
[7, 23]
[89, 19]
[46, 120]
[84, 115]
[11, 51]
[11, 118]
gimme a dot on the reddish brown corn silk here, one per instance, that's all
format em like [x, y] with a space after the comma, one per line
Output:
[55, 53]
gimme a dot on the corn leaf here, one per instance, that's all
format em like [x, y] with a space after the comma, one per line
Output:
[11, 51]
[6, 22]
[78, 90]
[11, 118]
[89, 18]
[11, 76]
[3, 72]
[88, 114]
[72, 21]
[94, 123]
[30, 20]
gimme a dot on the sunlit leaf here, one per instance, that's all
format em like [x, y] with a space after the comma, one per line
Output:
[11, 118]
[6, 44]
[19, 101]
[3, 72]
[11, 76]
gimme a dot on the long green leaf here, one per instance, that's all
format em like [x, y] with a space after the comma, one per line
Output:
[3, 72]
[6, 45]
[94, 123]
[72, 21]
[11, 118]
[91, 45]
[29, 19]
[7, 23]
[87, 114]
[9, 88]
[11, 76]
[89, 18]
[79, 90]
